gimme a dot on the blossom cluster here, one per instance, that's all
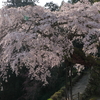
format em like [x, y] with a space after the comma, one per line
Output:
[40, 39]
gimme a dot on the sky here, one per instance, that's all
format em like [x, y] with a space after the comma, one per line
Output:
[41, 2]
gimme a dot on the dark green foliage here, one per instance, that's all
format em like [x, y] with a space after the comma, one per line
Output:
[13, 89]
[20, 87]
[77, 43]
[50, 99]
[52, 6]
[95, 80]
[59, 94]
[94, 98]
[75, 1]
[56, 81]
[95, 1]
[93, 87]
[18, 3]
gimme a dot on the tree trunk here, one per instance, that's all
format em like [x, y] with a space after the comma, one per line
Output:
[71, 97]
[67, 79]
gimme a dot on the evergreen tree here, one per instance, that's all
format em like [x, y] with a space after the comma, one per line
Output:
[52, 6]
[17, 3]
[75, 1]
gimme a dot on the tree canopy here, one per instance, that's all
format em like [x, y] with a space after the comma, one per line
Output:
[75, 1]
[17, 3]
[52, 6]
[51, 33]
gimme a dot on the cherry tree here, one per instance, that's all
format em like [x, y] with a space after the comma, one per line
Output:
[46, 38]
[34, 43]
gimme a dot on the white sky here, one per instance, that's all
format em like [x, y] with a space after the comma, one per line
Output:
[41, 2]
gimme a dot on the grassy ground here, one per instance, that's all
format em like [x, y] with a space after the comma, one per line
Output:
[94, 98]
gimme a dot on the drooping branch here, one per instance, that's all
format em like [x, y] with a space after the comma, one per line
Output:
[44, 43]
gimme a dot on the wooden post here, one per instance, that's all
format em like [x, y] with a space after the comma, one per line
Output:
[66, 85]
[78, 96]
[69, 67]
[71, 97]
[67, 97]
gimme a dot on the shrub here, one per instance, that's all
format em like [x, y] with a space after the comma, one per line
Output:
[94, 98]
[54, 97]
[50, 99]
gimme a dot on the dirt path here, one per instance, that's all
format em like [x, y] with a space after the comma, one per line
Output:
[80, 86]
